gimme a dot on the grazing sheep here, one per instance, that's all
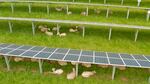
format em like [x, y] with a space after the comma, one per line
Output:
[57, 71]
[73, 30]
[54, 29]
[103, 66]
[49, 33]
[69, 13]
[84, 13]
[18, 59]
[34, 60]
[71, 75]
[62, 34]
[87, 65]
[62, 63]
[97, 11]
[43, 28]
[87, 74]
[121, 68]
[59, 9]
[73, 63]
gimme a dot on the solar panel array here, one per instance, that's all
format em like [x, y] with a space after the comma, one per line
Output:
[72, 55]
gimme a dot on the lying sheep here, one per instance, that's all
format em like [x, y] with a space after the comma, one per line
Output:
[18, 59]
[57, 71]
[62, 34]
[69, 13]
[87, 65]
[73, 30]
[87, 74]
[49, 33]
[71, 75]
[62, 63]
[59, 9]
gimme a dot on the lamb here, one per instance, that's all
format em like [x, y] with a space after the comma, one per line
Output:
[87, 74]
[83, 13]
[62, 63]
[73, 30]
[71, 75]
[18, 59]
[87, 65]
[57, 71]
[62, 34]
[49, 33]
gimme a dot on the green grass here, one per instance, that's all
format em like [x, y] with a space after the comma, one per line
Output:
[96, 38]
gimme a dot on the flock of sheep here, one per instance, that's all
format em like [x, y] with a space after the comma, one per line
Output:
[71, 75]
[51, 31]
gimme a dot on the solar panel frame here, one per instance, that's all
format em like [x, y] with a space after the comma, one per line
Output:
[139, 57]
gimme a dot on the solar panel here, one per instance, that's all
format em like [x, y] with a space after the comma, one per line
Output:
[71, 58]
[43, 55]
[76, 55]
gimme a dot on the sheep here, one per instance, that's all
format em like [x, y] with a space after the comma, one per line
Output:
[59, 9]
[62, 34]
[43, 28]
[103, 66]
[73, 63]
[62, 63]
[57, 71]
[18, 59]
[49, 33]
[54, 28]
[121, 68]
[34, 60]
[71, 75]
[84, 13]
[97, 11]
[87, 74]
[73, 30]
[87, 65]
[69, 13]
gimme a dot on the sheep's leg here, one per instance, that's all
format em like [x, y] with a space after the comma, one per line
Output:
[113, 72]
[40, 65]
[7, 60]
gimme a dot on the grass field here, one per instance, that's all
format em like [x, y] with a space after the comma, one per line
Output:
[96, 38]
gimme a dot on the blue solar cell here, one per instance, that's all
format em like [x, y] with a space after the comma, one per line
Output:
[86, 59]
[126, 56]
[101, 60]
[148, 57]
[29, 53]
[139, 57]
[116, 61]
[57, 56]
[16, 52]
[43, 55]
[130, 62]
[89, 53]
[5, 51]
[4, 45]
[100, 54]
[76, 52]
[37, 48]
[49, 49]
[113, 55]
[25, 47]
[14, 46]
[144, 63]
[71, 57]
[61, 50]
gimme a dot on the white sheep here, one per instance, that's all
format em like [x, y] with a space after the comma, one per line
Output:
[103, 66]
[62, 63]
[49, 33]
[73, 63]
[73, 30]
[87, 65]
[57, 71]
[18, 59]
[69, 13]
[87, 74]
[59, 9]
[84, 13]
[34, 60]
[121, 68]
[62, 34]
[71, 75]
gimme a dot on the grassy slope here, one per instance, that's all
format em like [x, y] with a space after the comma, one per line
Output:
[96, 39]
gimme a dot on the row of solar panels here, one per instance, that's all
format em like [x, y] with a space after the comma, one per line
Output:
[72, 55]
